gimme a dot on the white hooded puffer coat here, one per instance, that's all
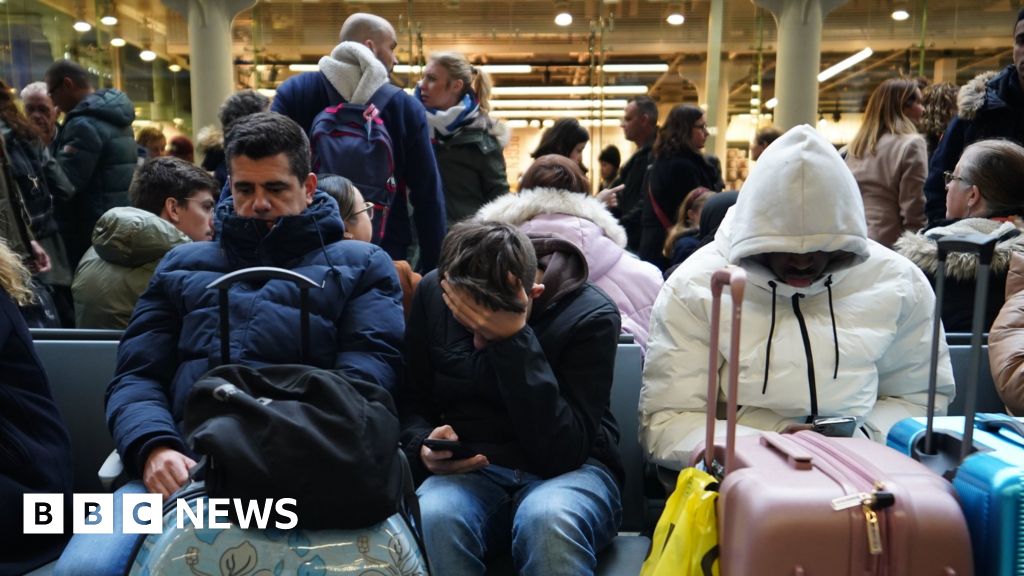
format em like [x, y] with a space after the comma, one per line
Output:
[875, 308]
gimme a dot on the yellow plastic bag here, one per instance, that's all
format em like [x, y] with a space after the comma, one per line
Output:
[685, 541]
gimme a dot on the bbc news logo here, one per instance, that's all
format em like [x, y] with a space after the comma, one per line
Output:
[143, 513]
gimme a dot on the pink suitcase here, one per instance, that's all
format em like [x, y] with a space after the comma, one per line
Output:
[806, 504]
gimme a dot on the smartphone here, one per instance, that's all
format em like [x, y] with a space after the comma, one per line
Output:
[836, 427]
[459, 450]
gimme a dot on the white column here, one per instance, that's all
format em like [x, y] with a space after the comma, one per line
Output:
[209, 41]
[716, 107]
[798, 60]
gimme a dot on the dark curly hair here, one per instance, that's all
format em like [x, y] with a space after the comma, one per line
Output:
[239, 105]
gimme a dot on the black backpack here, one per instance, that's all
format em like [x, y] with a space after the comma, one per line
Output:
[296, 431]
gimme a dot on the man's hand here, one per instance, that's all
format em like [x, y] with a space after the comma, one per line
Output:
[166, 470]
[40, 259]
[486, 325]
[441, 462]
[610, 196]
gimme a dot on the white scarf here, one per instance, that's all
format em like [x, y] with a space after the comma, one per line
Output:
[354, 72]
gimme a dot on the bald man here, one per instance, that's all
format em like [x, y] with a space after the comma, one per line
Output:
[356, 69]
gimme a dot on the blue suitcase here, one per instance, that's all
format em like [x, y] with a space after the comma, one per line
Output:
[985, 459]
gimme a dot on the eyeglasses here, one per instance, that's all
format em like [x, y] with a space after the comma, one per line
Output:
[367, 207]
[701, 127]
[948, 177]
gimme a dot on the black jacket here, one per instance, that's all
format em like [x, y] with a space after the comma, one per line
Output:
[670, 180]
[538, 401]
[35, 451]
[631, 205]
[990, 106]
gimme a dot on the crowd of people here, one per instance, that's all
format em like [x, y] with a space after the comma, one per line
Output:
[491, 317]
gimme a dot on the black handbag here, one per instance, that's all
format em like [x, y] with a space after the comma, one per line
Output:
[296, 431]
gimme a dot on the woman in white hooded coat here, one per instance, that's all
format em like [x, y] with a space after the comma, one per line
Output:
[834, 324]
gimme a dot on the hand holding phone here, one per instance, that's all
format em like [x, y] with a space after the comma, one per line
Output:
[458, 449]
[836, 427]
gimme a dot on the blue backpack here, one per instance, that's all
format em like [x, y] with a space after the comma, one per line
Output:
[351, 140]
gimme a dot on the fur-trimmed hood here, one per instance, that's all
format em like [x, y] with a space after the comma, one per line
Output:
[985, 91]
[518, 208]
[209, 138]
[921, 248]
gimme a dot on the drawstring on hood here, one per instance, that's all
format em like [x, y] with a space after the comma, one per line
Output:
[835, 333]
[771, 333]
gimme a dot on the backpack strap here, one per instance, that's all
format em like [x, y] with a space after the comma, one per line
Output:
[383, 95]
[657, 209]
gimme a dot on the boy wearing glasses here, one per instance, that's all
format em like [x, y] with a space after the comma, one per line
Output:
[172, 203]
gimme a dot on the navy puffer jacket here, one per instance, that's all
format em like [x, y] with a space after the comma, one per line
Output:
[356, 318]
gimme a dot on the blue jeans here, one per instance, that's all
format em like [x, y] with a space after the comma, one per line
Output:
[554, 526]
[102, 554]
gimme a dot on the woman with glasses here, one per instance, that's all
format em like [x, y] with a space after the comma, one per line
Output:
[357, 215]
[677, 169]
[983, 196]
[889, 160]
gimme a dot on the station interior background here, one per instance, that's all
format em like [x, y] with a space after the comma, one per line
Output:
[625, 46]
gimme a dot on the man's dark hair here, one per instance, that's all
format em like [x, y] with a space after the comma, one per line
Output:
[1020, 16]
[267, 134]
[62, 69]
[479, 256]
[164, 177]
[241, 104]
[646, 106]
[610, 155]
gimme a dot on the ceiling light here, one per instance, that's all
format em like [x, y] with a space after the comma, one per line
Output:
[900, 15]
[117, 41]
[755, 101]
[548, 123]
[675, 19]
[844, 64]
[174, 68]
[563, 19]
[558, 113]
[771, 104]
[408, 68]
[268, 92]
[81, 26]
[309, 67]
[109, 20]
[635, 67]
[755, 87]
[564, 103]
[517, 124]
[147, 55]
[619, 90]
[533, 123]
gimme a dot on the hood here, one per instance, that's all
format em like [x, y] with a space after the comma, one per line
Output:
[565, 270]
[516, 209]
[209, 138]
[984, 92]
[922, 249]
[800, 197]
[132, 237]
[354, 72]
[248, 242]
[110, 105]
[712, 214]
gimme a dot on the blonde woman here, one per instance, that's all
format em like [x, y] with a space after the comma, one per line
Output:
[35, 452]
[467, 143]
[889, 160]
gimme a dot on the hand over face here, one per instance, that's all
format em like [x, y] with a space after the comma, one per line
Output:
[487, 325]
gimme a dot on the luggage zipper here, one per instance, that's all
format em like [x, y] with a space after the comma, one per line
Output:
[878, 498]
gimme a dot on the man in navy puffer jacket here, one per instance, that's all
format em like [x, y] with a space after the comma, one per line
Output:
[275, 217]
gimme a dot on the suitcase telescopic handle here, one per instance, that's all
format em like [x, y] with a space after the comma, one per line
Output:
[261, 273]
[736, 278]
[984, 246]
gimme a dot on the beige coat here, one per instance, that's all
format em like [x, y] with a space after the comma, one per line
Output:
[892, 185]
[1006, 341]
